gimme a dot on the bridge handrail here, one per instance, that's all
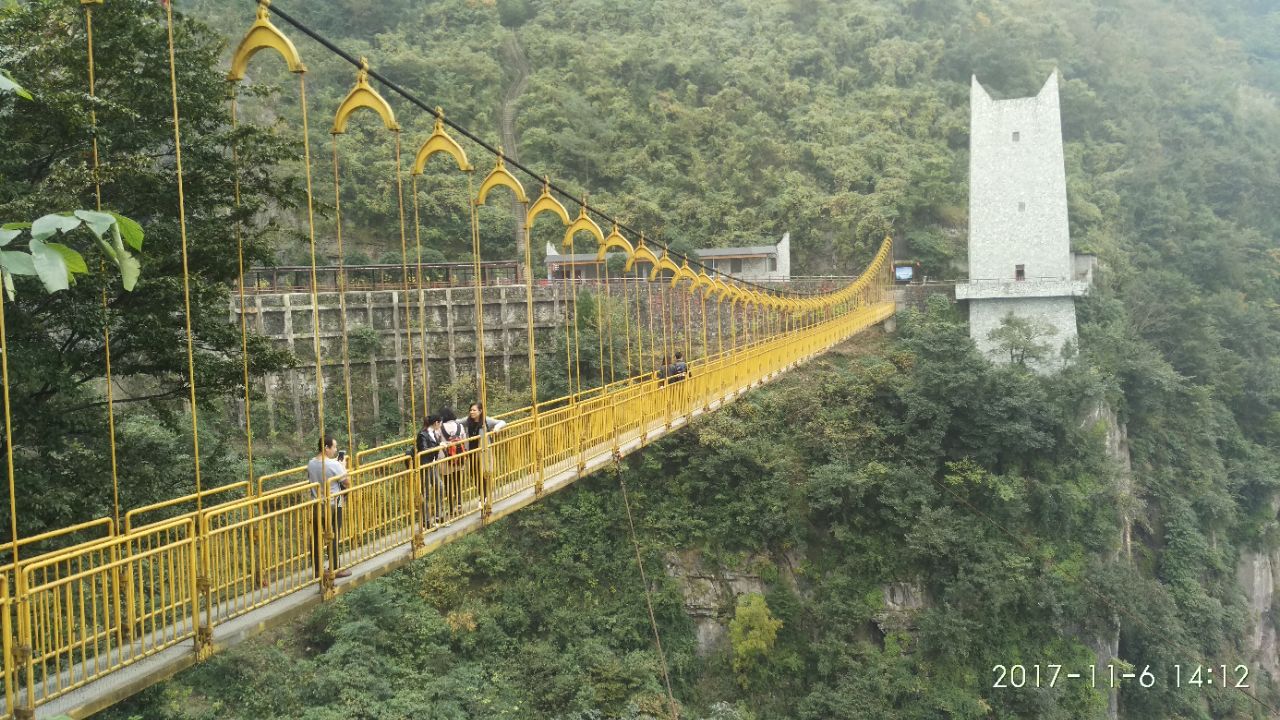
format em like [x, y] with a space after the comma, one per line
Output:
[106, 522]
[242, 485]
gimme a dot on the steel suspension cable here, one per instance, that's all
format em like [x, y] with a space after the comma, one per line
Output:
[482, 390]
[577, 355]
[186, 272]
[404, 273]
[422, 303]
[640, 364]
[688, 348]
[702, 304]
[568, 350]
[533, 363]
[600, 332]
[653, 343]
[244, 320]
[342, 301]
[106, 314]
[608, 306]
[648, 601]
[626, 318]
[311, 239]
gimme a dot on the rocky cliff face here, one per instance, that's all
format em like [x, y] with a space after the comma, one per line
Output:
[1256, 573]
[710, 594]
[1106, 646]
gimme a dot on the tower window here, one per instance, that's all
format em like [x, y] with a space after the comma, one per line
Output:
[773, 264]
[1022, 207]
[1020, 272]
[1016, 135]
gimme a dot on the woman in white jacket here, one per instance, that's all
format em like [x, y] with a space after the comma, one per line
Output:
[477, 425]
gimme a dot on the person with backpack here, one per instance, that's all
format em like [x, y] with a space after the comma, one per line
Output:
[679, 369]
[453, 445]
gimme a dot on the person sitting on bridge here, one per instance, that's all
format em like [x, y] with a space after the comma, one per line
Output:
[663, 370]
[327, 466]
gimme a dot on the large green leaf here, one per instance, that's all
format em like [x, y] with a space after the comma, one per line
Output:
[7, 85]
[98, 222]
[18, 263]
[8, 236]
[50, 225]
[50, 266]
[73, 259]
[129, 266]
[8, 282]
[131, 231]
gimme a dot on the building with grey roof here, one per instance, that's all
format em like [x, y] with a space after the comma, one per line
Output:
[757, 263]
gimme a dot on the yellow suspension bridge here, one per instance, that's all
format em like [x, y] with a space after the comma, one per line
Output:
[155, 589]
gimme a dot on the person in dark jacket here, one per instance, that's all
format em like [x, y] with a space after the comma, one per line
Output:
[679, 369]
[428, 445]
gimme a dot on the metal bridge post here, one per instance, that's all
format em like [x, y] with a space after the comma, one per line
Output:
[24, 706]
[419, 523]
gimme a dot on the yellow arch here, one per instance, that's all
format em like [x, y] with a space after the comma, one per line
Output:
[363, 96]
[546, 203]
[500, 176]
[441, 142]
[727, 290]
[685, 273]
[615, 240]
[263, 35]
[583, 223]
[665, 263]
[702, 281]
[642, 254]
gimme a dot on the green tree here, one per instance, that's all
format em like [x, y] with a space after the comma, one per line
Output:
[1022, 338]
[752, 633]
[56, 351]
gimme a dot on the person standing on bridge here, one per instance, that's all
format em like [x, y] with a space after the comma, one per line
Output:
[476, 425]
[328, 467]
[428, 445]
[453, 443]
[679, 369]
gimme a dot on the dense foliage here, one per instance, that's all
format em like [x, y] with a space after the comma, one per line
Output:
[57, 359]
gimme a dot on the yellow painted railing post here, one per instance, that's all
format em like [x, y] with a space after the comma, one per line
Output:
[419, 487]
[24, 707]
[6, 636]
[200, 587]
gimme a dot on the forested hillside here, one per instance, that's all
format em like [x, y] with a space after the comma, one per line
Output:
[905, 462]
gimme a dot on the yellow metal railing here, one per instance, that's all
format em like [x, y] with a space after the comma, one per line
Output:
[58, 540]
[92, 611]
[189, 503]
[74, 614]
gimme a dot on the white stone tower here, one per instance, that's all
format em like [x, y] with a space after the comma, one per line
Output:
[1020, 259]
